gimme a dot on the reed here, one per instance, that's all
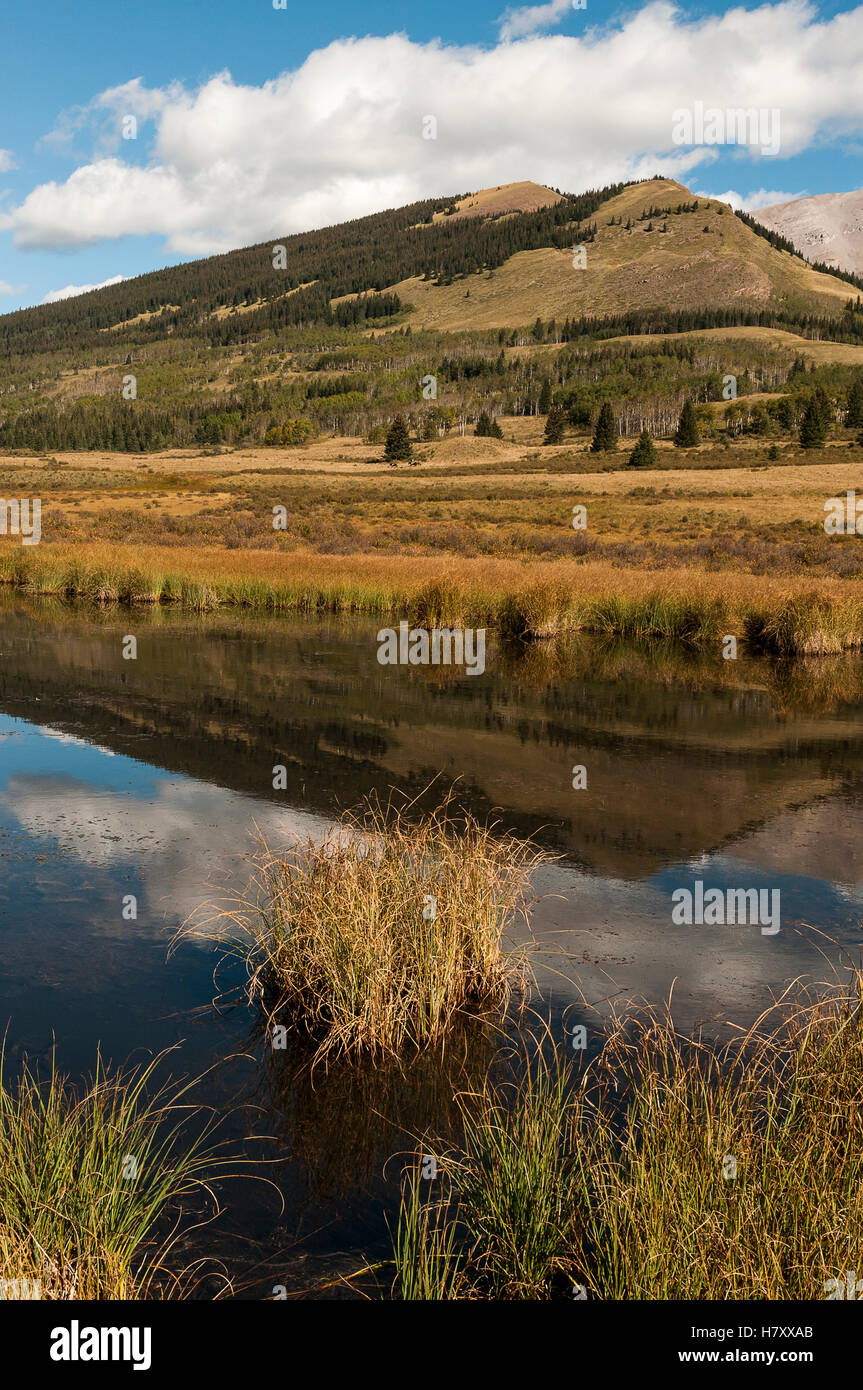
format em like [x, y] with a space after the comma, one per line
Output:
[384, 934]
[807, 624]
[89, 1175]
[524, 600]
[668, 1169]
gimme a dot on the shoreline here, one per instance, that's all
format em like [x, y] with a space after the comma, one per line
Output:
[785, 616]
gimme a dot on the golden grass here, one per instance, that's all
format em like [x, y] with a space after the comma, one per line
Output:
[522, 598]
[385, 934]
[629, 269]
[668, 1168]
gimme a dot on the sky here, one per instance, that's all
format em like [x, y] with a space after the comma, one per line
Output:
[138, 136]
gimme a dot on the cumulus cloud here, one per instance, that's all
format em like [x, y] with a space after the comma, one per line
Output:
[195, 832]
[760, 198]
[517, 22]
[230, 164]
[6, 161]
[107, 113]
[69, 291]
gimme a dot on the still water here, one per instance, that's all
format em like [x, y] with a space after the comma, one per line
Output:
[153, 777]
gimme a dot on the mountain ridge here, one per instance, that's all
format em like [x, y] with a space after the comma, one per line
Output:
[827, 227]
[496, 258]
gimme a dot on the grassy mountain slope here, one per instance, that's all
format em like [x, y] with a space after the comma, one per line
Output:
[685, 268]
[495, 258]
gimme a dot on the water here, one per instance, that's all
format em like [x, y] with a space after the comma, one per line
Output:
[152, 777]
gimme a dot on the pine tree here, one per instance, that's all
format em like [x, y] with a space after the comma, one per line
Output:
[554, 426]
[398, 441]
[605, 434]
[687, 435]
[545, 397]
[813, 429]
[854, 414]
[644, 453]
[486, 428]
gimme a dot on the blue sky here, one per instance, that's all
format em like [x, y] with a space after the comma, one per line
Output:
[253, 122]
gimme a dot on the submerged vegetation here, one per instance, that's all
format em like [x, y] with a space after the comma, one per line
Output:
[667, 1168]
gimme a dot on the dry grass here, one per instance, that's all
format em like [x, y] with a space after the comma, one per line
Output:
[523, 599]
[384, 935]
[669, 1169]
[628, 269]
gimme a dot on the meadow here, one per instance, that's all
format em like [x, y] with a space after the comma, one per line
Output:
[718, 539]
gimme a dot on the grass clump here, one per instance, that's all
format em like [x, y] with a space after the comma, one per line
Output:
[667, 1169]
[380, 936]
[498, 1228]
[807, 625]
[87, 1175]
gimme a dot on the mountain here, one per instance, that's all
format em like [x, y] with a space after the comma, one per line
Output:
[506, 197]
[325, 330]
[496, 258]
[826, 228]
[650, 246]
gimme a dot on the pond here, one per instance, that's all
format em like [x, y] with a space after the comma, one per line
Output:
[131, 791]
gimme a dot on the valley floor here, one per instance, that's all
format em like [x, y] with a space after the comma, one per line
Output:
[716, 540]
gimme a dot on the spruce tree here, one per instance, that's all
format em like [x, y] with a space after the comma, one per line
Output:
[854, 414]
[644, 453]
[486, 428]
[687, 435]
[545, 397]
[554, 426]
[398, 441]
[605, 434]
[813, 430]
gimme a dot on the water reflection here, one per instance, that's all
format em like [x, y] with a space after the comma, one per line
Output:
[151, 779]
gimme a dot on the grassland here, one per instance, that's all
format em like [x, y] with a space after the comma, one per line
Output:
[714, 540]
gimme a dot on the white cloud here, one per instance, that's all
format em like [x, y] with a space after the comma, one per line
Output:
[529, 19]
[760, 198]
[107, 112]
[230, 164]
[69, 291]
[6, 161]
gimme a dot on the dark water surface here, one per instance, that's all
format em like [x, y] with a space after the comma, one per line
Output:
[152, 777]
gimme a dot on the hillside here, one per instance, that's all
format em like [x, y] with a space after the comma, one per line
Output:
[294, 280]
[495, 258]
[334, 332]
[653, 256]
[505, 198]
[826, 228]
